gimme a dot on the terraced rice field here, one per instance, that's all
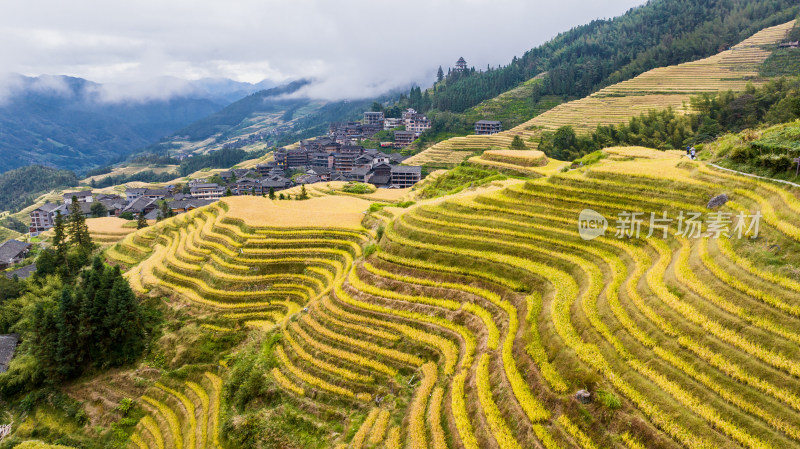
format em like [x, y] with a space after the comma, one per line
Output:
[512, 312]
[481, 315]
[321, 189]
[247, 260]
[183, 416]
[108, 230]
[656, 89]
[529, 163]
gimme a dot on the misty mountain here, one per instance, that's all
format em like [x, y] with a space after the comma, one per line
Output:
[272, 101]
[72, 123]
[224, 90]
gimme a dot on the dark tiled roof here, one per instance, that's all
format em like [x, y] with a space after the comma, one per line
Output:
[112, 204]
[160, 192]
[183, 204]
[139, 204]
[360, 171]
[487, 122]
[86, 208]
[12, 249]
[308, 179]
[8, 344]
[49, 207]
[379, 179]
[320, 170]
[80, 194]
[397, 157]
[406, 169]
[276, 182]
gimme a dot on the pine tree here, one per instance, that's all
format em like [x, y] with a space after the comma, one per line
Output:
[59, 239]
[141, 222]
[303, 193]
[166, 211]
[271, 193]
[78, 231]
[440, 74]
[124, 323]
[228, 192]
[66, 356]
[518, 144]
[45, 340]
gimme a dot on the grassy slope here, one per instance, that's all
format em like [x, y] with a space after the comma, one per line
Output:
[657, 89]
[766, 152]
[511, 107]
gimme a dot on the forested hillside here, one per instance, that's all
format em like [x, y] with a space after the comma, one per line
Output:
[19, 187]
[61, 122]
[269, 100]
[603, 52]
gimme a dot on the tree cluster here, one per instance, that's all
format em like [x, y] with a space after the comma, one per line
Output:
[71, 245]
[96, 324]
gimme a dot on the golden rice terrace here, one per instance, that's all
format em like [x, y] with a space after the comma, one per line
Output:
[479, 317]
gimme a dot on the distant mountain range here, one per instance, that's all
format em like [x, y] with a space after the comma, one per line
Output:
[77, 124]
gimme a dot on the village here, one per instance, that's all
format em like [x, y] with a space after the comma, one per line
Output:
[335, 157]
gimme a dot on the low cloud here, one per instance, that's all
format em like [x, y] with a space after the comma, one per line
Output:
[353, 48]
[162, 88]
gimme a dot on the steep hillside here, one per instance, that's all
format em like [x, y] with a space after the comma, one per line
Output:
[20, 187]
[266, 118]
[63, 122]
[767, 152]
[265, 101]
[657, 89]
[580, 61]
[478, 317]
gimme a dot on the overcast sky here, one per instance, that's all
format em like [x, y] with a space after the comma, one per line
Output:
[353, 48]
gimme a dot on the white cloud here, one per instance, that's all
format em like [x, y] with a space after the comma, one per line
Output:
[354, 48]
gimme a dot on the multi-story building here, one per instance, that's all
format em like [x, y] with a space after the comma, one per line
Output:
[417, 123]
[392, 123]
[344, 162]
[207, 191]
[373, 118]
[42, 218]
[319, 159]
[156, 194]
[403, 176]
[360, 174]
[134, 194]
[83, 197]
[286, 159]
[403, 139]
[486, 127]
[265, 169]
